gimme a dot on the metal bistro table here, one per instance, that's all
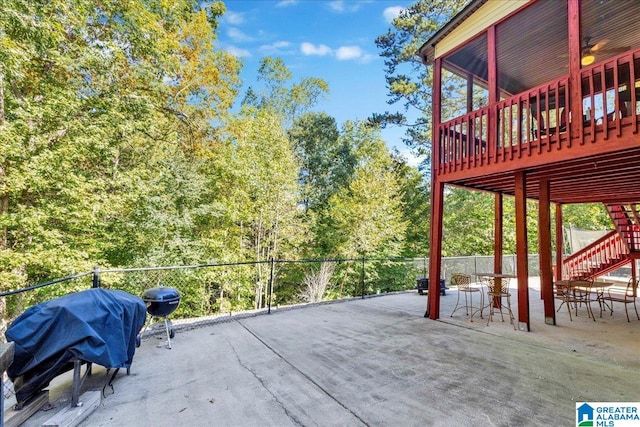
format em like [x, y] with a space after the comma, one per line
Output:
[499, 276]
[578, 291]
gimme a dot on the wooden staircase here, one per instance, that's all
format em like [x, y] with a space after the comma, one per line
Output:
[611, 251]
[626, 219]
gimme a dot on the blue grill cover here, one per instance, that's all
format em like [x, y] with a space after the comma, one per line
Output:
[97, 325]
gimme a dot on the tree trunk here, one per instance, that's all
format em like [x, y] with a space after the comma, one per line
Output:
[4, 196]
[4, 210]
[2, 116]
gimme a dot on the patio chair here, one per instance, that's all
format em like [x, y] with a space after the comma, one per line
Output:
[571, 296]
[562, 291]
[583, 291]
[552, 130]
[498, 294]
[627, 297]
[463, 282]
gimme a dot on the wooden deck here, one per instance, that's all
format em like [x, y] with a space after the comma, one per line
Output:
[592, 159]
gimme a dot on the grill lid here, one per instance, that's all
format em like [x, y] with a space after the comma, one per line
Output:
[161, 294]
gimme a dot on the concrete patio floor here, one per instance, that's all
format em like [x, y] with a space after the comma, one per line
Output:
[371, 362]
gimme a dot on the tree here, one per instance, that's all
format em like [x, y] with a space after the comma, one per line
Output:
[409, 81]
[415, 198]
[588, 216]
[467, 223]
[104, 107]
[325, 160]
[279, 96]
[317, 283]
[365, 216]
[256, 193]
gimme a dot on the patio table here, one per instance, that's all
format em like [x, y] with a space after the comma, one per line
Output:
[499, 276]
[584, 291]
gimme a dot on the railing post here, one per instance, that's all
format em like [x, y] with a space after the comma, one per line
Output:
[96, 277]
[362, 276]
[270, 286]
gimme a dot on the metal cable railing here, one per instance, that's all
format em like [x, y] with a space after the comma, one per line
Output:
[215, 290]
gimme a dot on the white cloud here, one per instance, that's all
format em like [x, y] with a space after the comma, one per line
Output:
[337, 5]
[311, 49]
[391, 12]
[341, 6]
[276, 47]
[279, 45]
[238, 36]
[345, 53]
[233, 18]
[367, 58]
[286, 3]
[239, 52]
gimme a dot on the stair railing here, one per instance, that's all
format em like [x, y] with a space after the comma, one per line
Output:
[627, 221]
[595, 258]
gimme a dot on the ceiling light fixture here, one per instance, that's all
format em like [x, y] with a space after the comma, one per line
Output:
[587, 59]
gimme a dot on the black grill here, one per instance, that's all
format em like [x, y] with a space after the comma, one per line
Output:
[161, 302]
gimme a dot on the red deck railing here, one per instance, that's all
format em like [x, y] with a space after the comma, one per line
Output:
[615, 107]
[530, 121]
[540, 120]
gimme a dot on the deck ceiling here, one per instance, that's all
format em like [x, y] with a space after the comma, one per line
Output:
[533, 46]
[609, 178]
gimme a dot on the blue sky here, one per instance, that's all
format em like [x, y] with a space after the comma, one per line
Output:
[332, 40]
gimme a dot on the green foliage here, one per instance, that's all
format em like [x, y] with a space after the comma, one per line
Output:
[408, 80]
[103, 110]
[281, 97]
[467, 223]
[365, 216]
[391, 276]
[469, 218]
[348, 280]
[255, 187]
[326, 161]
[588, 216]
[416, 207]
